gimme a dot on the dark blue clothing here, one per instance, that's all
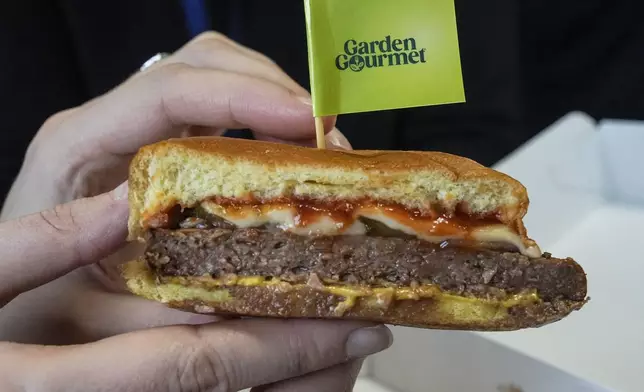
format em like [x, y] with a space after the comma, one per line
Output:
[227, 15]
[196, 16]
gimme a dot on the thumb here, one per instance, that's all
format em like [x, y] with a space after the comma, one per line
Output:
[41, 247]
[227, 356]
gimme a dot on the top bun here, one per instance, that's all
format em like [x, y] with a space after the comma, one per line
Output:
[187, 171]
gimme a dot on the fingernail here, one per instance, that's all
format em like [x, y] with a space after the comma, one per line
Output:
[305, 100]
[366, 341]
[338, 140]
[120, 192]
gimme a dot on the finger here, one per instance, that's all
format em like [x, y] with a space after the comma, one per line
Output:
[226, 356]
[141, 314]
[337, 139]
[41, 247]
[151, 108]
[102, 283]
[339, 378]
[76, 312]
[213, 50]
[216, 51]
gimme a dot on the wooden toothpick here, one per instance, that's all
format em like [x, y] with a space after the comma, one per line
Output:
[319, 133]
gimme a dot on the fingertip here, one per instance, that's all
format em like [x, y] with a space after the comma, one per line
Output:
[369, 340]
[120, 193]
[329, 123]
[336, 139]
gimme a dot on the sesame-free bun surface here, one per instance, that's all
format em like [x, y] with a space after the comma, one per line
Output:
[190, 170]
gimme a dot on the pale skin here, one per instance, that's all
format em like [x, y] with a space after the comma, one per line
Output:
[66, 323]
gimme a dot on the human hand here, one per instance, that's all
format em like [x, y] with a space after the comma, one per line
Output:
[209, 85]
[272, 355]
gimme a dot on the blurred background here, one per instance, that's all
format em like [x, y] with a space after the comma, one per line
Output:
[525, 64]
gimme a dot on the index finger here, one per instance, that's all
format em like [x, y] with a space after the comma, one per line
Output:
[155, 106]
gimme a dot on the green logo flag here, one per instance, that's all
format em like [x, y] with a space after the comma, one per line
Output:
[367, 55]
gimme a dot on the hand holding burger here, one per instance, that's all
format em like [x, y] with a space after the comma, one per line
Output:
[210, 85]
[225, 356]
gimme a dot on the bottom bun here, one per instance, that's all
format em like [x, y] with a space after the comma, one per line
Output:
[424, 306]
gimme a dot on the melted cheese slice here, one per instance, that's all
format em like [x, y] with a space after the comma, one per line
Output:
[288, 218]
[490, 233]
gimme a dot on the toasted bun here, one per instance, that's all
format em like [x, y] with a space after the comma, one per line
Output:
[187, 171]
[440, 311]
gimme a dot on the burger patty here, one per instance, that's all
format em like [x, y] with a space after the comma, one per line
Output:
[219, 250]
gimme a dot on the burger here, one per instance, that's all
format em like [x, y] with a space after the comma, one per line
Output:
[259, 229]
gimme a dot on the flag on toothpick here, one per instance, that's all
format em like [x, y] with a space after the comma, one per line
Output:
[368, 55]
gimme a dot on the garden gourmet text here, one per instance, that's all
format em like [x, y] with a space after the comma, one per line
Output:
[374, 54]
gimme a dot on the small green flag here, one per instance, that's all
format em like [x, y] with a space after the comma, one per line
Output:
[367, 55]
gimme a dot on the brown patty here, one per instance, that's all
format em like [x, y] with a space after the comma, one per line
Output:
[360, 259]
